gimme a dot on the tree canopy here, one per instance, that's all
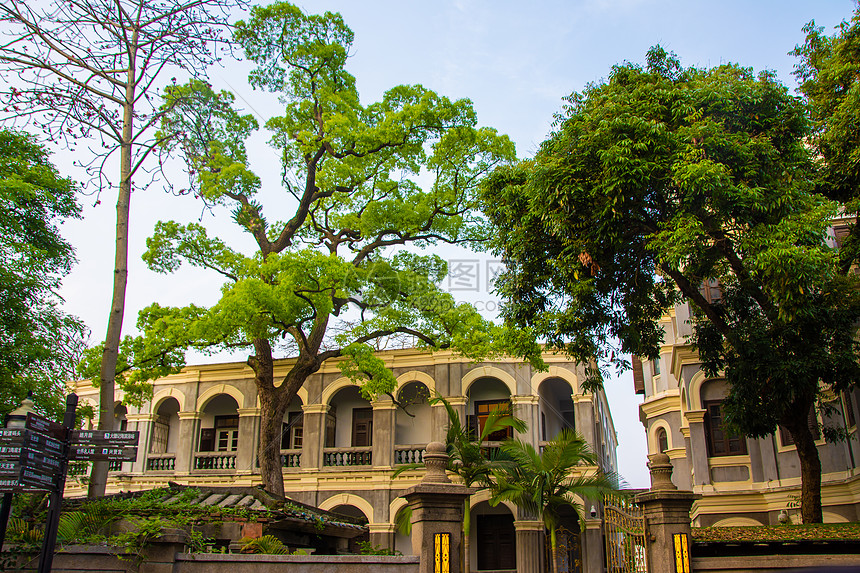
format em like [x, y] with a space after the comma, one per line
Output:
[39, 344]
[827, 69]
[662, 179]
[331, 276]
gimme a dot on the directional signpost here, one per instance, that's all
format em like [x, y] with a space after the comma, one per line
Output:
[100, 453]
[36, 457]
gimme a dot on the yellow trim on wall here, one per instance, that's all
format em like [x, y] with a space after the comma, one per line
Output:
[555, 372]
[488, 372]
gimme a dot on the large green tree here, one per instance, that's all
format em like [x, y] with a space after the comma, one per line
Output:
[329, 276]
[662, 178]
[827, 69]
[39, 344]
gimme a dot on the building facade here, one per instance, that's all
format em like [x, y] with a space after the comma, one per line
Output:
[742, 481]
[339, 451]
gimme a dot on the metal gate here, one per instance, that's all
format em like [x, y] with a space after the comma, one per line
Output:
[569, 551]
[624, 529]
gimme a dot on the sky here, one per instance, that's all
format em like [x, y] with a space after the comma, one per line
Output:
[515, 61]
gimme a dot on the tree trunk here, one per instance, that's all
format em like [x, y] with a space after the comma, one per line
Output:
[810, 464]
[553, 544]
[107, 374]
[272, 409]
[273, 404]
[467, 523]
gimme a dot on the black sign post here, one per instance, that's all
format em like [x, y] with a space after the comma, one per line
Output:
[5, 509]
[36, 458]
[46, 558]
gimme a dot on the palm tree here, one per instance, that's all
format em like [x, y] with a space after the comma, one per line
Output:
[471, 461]
[468, 459]
[543, 483]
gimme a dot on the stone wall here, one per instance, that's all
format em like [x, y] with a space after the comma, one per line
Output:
[774, 563]
[165, 559]
[204, 563]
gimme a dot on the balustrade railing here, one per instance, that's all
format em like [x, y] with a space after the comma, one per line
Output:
[409, 454]
[77, 468]
[161, 462]
[347, 457]
[215, 461]
[291, 458]
[114, 465]
[491, 449]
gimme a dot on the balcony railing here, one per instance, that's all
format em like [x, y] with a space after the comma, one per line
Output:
[491, 449]
[340, 457]
[79, 469]
[161, 462]
[291, 458]
[413, 454]
[220, 461]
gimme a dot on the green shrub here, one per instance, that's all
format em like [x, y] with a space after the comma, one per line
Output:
[265, 545]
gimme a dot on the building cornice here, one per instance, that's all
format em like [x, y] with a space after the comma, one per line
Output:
[525, 400]
[695, 416]
[663, 403]
[682, 355]
[316, 408]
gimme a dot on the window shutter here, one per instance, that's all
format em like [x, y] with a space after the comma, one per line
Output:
[207, 440]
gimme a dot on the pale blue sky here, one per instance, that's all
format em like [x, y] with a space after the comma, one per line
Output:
[515, 61]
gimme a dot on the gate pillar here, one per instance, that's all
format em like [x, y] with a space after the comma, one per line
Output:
[592, 546]
[530, 541]
[437, 515]
[667, 520]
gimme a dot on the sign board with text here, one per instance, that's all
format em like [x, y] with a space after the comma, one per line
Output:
[45, 426]
[103, 438]
[11, 435]
[97, 453]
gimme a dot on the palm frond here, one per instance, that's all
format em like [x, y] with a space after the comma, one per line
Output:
[545, 482]
[500, 419]
[403, 520]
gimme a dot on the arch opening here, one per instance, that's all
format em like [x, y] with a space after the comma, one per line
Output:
[219, 425]
[493, 538]
[556, 407]
[486, 395]
[165, 427]
[413, 419]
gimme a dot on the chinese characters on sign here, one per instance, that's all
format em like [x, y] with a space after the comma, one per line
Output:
[34, 457]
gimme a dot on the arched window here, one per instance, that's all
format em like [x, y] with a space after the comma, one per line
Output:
[721, 442]
[662, 440]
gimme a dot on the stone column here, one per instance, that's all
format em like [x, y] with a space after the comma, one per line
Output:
[584, 408]
[592, 546]
[440, 417]
[699, 447]
[852, 398]
[249, 440]
[527, 409]
[313, 438]
[382, 535]
[437, 514]
[187, 443]
[382, 454]
[530, 545]
[667, 519]
[143, 424]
